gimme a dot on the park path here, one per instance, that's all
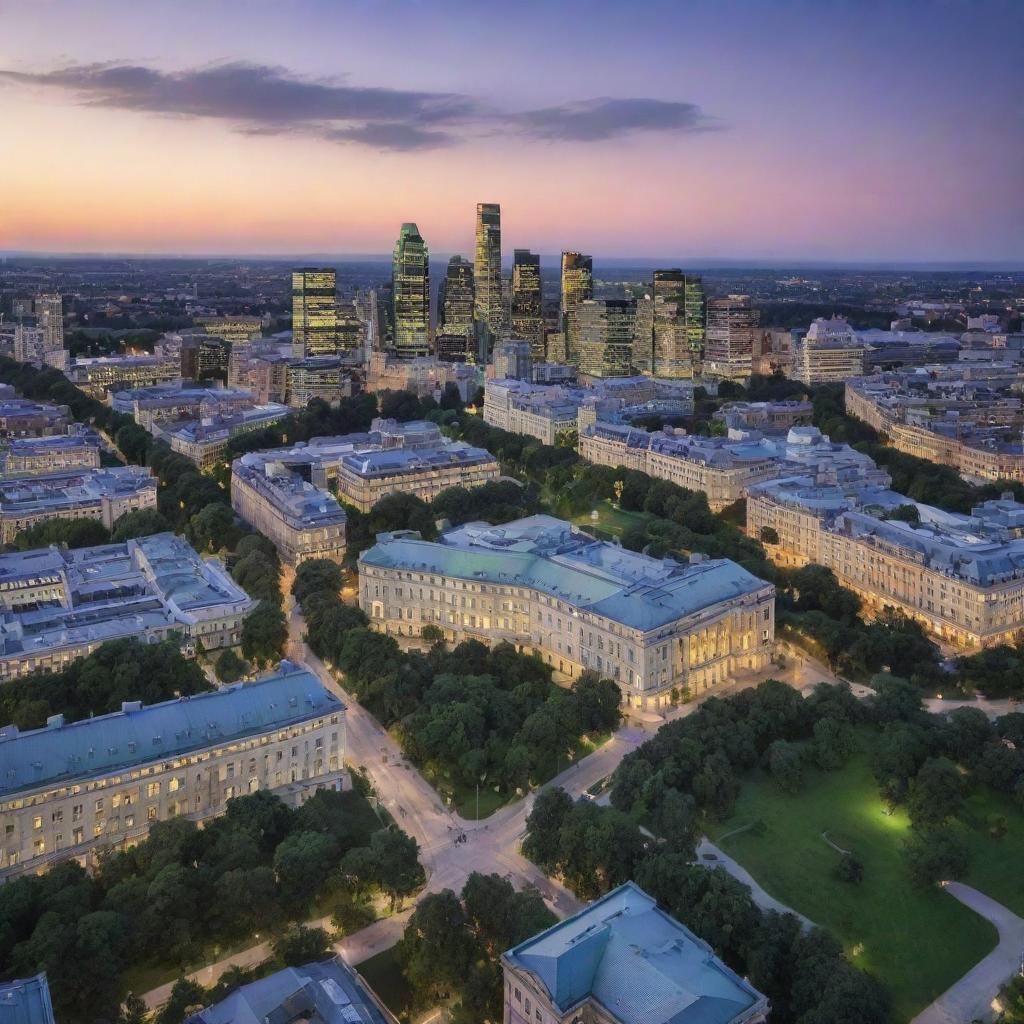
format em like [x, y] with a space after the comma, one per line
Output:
[711, 857]
[971, 998]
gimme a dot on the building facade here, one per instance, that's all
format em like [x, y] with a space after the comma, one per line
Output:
[410, 283]
[22, 417]
[731, 324]
[314, 312]
[33, 456]
[653, 625]
[606, 336]
[830, 351]
[527, 312]
[577, 284]
[455, 312]
[73, 790]
[487, 303]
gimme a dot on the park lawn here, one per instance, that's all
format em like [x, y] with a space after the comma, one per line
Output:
[384, 976]
[917, 943]
[611, 522]
[995, 863]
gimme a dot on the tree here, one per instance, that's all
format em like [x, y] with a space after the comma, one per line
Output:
[186, 997]
[437, 949]
[133, 442]
[264, 633]
[229, 666]
[849, 869]
[315, 575]
[833, 743]
[300, 945]
[212, 528]
[935, 855]
[400, 405]
[769, 535]
[551, 807]
[397, 868]
[785, 764]
[71, 533]
[431, 634]
[143, 522]
[301, 861]
[936, 793]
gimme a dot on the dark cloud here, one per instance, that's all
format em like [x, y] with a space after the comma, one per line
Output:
[261, 100]
[600, 119]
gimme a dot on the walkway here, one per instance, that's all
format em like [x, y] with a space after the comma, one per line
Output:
[711, 857]
[972, 996]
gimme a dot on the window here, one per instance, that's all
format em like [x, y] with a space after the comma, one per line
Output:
[37, 821]
[153, 789]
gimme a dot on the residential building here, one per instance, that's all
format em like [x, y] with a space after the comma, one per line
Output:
[962, 577]
[32, 456]
[58, 605]
[455, 336]
[103, 494]
[724, 468]
[527, 314]
[205, 441]
[23, 417]
[49, 311]
[410, 282]
[622, 960]
[543, 412]
[30, 344]
[323, 377]
[653, 625]
[26, 1001]
[329, 992]
[235, 327]
[729, 337]
[423, 375]
[77, 790]
[606, 336]
[766, 415]
[302, 520]
[314, 312]
[150, 405]
[829, 351]
[577, 282]
[409, 458]
[488, 309]
[102, 375]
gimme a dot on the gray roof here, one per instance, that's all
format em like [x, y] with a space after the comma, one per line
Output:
[322, 993]
[639, 964]
[546, 554]
[140, 734]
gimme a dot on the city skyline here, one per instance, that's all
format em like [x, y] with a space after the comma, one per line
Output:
[825, 137]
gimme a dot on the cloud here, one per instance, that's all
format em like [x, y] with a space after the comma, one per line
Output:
[258, 99]
[601, 119]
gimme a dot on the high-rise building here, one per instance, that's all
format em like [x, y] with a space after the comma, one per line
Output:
[455, 299]
[677, 326]
[382, 317]
[527, 316]
[606, 336]
[351, 328]
[314, 312]
[487, 273]
[729, 341]
[50, 317]
[577, 285]
[410, 283]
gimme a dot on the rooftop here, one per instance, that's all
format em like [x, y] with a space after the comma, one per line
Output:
[72, 488]
[26, 1001]
[546, 554]
[639, 964]
[139, 734]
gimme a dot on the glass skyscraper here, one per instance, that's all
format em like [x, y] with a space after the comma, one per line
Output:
[527, 316]
[410, 281]
[731, 324]
[606, 328]
[577, 286]
[314, 312]
[454, 337]
[487, 274]
[672, 333]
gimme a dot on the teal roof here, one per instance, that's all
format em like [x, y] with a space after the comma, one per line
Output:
[639, 964]
[546, 554]
[139, 734]
[26, 1001]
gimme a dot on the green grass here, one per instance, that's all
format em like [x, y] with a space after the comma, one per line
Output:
[916, 942]
[611, 521]
[995, 863]
[386, 979]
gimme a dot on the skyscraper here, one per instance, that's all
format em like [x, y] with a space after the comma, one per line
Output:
[671, 331]
[487, 274]
[454, 336]
[729, 341]
[577, 286]
[50, 317]
[314, 312]
[606, 336]
[410, 278]
[527, 317]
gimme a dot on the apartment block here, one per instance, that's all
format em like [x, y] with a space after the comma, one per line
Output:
[76, 790]
[22, 417]
[32, 456]
[652, 625]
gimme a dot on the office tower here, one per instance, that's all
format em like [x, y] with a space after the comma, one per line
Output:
[527, 317]
[382, 317]
[410, 282]
[606, 336]
[487, 277]
[643, 335]
[351, 328]
[671, 331]
[729, 340]
[50, 317]
[513, 360]
[577, 286]
[455, 297]
[314, 312]
[693, 298]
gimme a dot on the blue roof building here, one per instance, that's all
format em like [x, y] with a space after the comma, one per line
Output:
[629, 961]
[329, 992]
[26, 1001]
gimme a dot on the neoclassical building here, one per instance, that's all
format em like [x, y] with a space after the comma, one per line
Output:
[652, 625]
[71, 790]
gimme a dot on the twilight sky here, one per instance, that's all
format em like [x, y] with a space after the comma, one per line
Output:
[792, 129]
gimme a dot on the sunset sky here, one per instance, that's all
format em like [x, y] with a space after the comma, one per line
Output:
[794, 130]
